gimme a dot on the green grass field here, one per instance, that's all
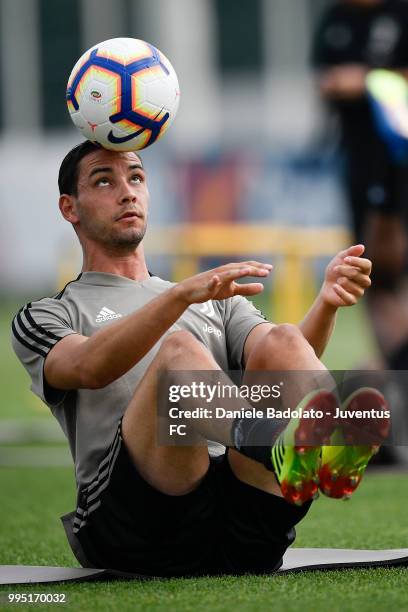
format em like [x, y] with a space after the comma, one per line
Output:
[32, 499]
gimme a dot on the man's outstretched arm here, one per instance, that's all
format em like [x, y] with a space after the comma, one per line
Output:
[346, 279]
[80, 362]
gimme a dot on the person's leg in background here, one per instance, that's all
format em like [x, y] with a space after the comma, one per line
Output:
[377, 190]
[378, 194]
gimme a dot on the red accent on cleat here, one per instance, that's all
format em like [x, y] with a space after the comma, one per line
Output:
[298, 496]
[353, 444]
[300, 443]
[370, 431]
[338, 487]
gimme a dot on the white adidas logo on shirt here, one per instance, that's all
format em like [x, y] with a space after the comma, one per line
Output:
[106, 314]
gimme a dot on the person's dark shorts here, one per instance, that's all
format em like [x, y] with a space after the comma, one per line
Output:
[374, 183]
[224, 526]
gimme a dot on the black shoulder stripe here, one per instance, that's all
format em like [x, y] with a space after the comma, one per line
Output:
[28, 333]
[24, 343]
[61, 293]
[39, 328]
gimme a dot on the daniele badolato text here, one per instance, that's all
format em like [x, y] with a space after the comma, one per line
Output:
[273, 413]
[206, 393]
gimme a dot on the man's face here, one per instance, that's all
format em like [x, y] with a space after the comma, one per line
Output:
[112, 200]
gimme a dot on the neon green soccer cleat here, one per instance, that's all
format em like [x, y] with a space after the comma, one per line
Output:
[295, 456]
[353, 444]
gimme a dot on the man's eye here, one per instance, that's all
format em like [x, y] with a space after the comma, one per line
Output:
[102, 181]
[136, 178]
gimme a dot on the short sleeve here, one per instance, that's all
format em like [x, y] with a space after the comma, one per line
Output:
[36, 329]
[241, 317]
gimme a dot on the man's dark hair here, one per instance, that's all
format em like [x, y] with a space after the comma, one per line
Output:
[69, 169]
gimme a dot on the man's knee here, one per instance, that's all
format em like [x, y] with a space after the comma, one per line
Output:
[182, 350]
[281, 338]
[285, 334]
[177, 342]
[285, 331]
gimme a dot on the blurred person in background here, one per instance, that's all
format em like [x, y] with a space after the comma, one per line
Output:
[353, 37]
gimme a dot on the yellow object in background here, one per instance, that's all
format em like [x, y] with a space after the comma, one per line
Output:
[293, 251]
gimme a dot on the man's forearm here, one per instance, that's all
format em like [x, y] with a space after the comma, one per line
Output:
[318, 325]
[114, 350]
[80, 362]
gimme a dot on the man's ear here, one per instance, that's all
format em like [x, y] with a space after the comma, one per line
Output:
[68, 208]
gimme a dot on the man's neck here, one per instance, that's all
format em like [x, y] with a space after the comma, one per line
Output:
[130, 265]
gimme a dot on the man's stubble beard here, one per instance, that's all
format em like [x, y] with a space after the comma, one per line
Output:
[129, 239]
[110, 239]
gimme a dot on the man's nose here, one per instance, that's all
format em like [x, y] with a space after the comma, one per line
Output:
[126, 194]
[127, 198]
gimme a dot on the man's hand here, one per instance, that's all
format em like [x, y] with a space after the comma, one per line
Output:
[347, 277]
[345, 82]
[220, 283]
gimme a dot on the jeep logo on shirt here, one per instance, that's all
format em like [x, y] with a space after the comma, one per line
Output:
[212, 330]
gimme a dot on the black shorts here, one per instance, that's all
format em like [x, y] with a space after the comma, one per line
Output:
[374, 184]
[224, 526]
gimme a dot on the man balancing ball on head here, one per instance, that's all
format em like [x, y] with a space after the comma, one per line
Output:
[97, 351]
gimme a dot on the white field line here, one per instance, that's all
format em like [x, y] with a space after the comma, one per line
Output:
[34, 456]
[16, 433]
[33, 430]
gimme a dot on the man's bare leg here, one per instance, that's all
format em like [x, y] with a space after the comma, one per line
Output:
[177, 470]
[283, 348]
[174, 470]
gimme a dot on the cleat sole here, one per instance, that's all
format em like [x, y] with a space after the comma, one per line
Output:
[353, 444]
[297, 473]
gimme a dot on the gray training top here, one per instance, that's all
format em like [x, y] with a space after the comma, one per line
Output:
[89, 417]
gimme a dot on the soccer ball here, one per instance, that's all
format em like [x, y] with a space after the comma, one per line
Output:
[123, 94]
